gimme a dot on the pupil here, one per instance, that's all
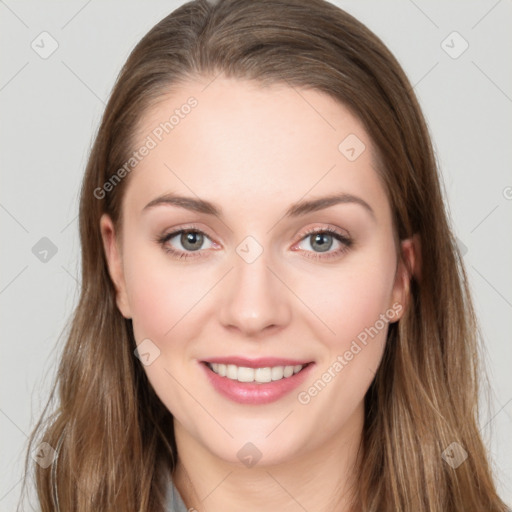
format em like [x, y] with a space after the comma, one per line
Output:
[324, 246]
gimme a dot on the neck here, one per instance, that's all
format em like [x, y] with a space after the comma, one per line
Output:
[320, 480]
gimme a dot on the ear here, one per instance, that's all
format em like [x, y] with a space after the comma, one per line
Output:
[115, 263]
[409, 265]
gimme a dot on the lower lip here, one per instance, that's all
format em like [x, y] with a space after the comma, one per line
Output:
[253, 393]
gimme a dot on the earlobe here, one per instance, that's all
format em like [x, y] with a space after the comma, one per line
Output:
[408, 266]
[114, 263]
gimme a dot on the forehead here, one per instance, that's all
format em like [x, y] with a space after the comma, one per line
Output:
[239, 143]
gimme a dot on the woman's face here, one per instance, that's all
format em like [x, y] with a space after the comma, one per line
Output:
[250, 288]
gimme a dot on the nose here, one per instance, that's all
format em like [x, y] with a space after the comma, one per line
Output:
[254, 299]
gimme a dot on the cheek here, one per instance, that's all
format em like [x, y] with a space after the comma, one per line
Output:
[160, 293]
[162, 299]
[163, 306]
[355, 303]
[351, 298]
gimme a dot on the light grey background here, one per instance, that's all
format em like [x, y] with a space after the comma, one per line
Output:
[50, 110]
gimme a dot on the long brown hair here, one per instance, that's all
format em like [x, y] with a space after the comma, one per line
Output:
[113, 437]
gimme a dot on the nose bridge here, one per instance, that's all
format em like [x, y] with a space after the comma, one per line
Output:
[254, 298]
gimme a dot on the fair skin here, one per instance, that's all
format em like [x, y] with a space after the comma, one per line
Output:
[254, 152]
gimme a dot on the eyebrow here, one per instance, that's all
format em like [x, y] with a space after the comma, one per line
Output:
[295, 210]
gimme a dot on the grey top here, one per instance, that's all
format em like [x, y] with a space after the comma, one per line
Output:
[174, 501]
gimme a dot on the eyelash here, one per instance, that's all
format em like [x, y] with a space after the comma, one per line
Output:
[344, 240]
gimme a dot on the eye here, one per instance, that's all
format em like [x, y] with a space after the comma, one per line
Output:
[321, 240]
[191, 240]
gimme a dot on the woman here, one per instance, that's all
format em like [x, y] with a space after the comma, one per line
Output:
[274, 314]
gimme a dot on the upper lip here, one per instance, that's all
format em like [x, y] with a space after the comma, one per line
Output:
[261, 362]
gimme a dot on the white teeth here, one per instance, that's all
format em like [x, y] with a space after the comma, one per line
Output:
[288, 371]
[277, 372]
[231, 372]
[244, 374]
[261, 375]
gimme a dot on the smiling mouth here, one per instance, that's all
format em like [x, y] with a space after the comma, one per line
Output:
[261, 375]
